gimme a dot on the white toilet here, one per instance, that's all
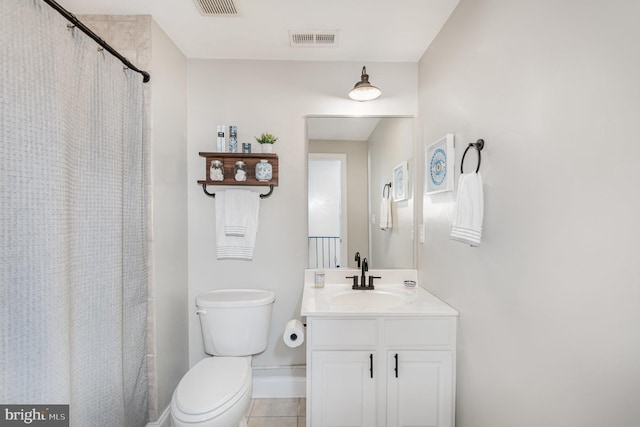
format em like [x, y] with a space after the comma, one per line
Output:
[216, 392]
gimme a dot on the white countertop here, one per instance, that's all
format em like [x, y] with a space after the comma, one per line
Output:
[390, 297]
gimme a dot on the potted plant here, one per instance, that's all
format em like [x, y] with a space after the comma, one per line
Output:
[266, 141]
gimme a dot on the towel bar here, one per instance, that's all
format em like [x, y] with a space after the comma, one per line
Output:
[262, 196]
[478, 145]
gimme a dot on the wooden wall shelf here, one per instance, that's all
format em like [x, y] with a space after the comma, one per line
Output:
[228, 161]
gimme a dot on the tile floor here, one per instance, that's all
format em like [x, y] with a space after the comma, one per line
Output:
[278, 413]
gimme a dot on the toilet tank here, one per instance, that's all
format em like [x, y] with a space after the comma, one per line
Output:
[235, 322]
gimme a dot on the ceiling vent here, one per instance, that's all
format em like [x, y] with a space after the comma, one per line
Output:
[313, 38]
[216, 7]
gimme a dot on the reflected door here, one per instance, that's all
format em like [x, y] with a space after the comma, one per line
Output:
[327, 206]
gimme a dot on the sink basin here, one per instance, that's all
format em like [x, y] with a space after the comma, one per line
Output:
[372, 298]
[389, 298]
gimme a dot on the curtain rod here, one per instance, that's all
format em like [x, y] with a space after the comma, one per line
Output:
[76, 22]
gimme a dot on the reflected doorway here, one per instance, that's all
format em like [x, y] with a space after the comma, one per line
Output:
[327, 192]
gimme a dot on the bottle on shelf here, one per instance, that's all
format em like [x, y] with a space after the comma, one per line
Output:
[233, 139]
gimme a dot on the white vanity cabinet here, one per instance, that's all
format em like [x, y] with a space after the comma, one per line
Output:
[422, 392]
[393, 371]
[343, 389]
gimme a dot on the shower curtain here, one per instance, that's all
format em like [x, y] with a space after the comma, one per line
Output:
[73, 256]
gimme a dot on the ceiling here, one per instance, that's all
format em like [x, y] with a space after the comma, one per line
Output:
[341, 128]
[366, 30]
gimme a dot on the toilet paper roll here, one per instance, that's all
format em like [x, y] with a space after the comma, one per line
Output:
[293, 333]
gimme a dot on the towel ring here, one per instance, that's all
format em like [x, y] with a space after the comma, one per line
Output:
[478, 145]
[385, 189]
[262, 196]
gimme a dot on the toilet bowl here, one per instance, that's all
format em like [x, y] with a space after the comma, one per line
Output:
[216, 392]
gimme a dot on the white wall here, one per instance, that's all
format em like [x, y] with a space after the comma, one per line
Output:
[272, 96]
[168, 158]
[550, 302]
[390, 144]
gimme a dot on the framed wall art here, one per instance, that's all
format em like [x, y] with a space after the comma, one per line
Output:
[400, 182]
[439, 166]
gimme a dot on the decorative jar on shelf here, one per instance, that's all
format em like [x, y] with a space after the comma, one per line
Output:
[264, 171]
[240, 171]
[216, 171]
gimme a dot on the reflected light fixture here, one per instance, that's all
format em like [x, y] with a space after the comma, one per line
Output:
[363, 90]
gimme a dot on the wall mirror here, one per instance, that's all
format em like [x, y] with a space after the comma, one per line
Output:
[351, 163]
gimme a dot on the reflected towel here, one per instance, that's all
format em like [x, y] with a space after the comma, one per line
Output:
[234, 246]
[386, 221]
[467, 218]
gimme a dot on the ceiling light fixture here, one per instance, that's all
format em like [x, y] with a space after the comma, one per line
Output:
[363, 90]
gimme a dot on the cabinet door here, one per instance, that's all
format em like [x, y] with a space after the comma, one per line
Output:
[420, 389]
[342, 389]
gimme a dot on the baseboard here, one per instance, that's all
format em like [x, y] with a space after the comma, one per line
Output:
[270, 383]
[163, 421]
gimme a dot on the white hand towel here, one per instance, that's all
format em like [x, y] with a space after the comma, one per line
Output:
[239, 206]
[236, 247]
[467, 218]
[386, 220]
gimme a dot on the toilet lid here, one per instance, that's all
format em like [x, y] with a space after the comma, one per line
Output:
[211, 383]
[229, 298]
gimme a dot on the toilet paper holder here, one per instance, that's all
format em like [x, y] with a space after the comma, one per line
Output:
[293, 335]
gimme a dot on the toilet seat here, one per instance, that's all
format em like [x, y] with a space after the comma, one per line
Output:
[211, 387]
